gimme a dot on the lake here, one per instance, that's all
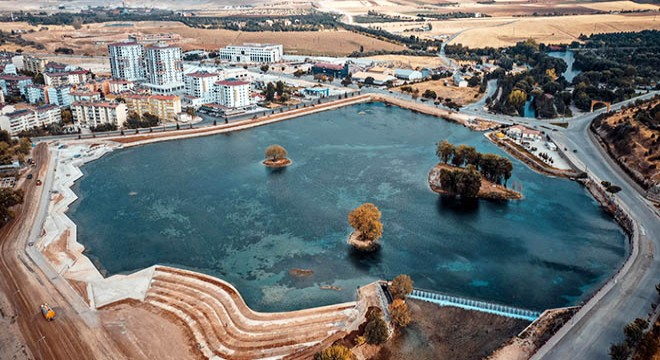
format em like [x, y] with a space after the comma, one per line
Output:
[208, 204]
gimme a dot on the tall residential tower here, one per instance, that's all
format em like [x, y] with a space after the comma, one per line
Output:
[127, 61]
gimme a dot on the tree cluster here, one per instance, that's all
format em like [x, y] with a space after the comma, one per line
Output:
[275, 152]
[376, 331]
[335, 352]
[11, 149]
[634, 333]
[494, 168]
[147, 120]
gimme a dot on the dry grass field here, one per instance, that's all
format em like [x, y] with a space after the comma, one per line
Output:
[92, 39]
[412, 62]
[505, 31]
[461, 96]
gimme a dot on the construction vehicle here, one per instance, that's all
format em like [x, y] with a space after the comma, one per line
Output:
[47, 312]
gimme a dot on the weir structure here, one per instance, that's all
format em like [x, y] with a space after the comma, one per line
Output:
[476, 305]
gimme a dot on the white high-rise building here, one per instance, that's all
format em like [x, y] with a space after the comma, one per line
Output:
[164, 68]
[233, 93]
[252, 53]
[127, 61]
[200, 85]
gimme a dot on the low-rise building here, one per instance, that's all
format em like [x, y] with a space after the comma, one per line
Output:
[408, 75]
[316, 91]
[26, 119]
[459, 80]
[372, 78]
[92, 114]
[234, 73]
[252, 53]
[335, 70]
[233, 93]
[520, 132]
[165, 107]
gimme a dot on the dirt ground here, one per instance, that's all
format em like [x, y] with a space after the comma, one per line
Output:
[461, 96]
[137, 329]
[93, 39]
[438, 333]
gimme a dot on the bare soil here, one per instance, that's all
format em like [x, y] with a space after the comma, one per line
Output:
[437, 333]
[137, 328]
[462, 96]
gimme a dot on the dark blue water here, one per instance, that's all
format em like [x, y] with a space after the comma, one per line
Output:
[569, 57]
[529, 111]
[208, 204]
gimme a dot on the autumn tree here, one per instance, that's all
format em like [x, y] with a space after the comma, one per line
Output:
[376, 331]
[335, 352]
[401, 286]
[275, 152]
[444, 151]
[517, 97]
[399, 313]
[365, 219]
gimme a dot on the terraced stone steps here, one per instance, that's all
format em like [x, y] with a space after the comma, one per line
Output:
[226, 328]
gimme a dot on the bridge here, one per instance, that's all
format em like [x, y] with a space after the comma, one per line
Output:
[476, 305]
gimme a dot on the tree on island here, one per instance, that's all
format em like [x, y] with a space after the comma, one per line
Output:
[365, 219]
[335, 352]
[445, 151]
[275, 152]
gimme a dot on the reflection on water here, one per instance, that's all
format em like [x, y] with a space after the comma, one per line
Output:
[208, 204]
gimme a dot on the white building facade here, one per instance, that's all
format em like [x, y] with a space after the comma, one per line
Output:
[127, 61]
[233, 93]
[93, 114]
[252, 53]
[201, 85]
[27, 119]
[164, 68]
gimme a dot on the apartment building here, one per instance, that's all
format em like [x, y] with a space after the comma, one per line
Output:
[94, 113]
[165, 107]
[26, 119]
[127, 61]
[164, 68]
[201, 85]
[233, 93]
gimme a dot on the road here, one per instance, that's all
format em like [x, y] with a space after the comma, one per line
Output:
[590, 335]
[68, 337]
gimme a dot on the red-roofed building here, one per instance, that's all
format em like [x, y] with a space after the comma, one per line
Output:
[165, 107]
[337, 71]
[200, 85]
[91, 114]
[233, 93]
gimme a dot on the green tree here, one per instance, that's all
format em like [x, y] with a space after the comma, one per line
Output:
[275, 152]
[269, 92]
[335, 352]
[279, 87]
[401, 286]
[504, 169]
[635, 331]
[365, 219]
[376, 331]
[67, 116]
[468, 183]
[444, 151]
[472, 156]
[399, 313]
[459, 155]
[264, 68]
[9, 198]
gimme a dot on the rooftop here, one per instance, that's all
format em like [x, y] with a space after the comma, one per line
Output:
[232, 82]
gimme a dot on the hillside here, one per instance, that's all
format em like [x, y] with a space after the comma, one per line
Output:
[632, 137]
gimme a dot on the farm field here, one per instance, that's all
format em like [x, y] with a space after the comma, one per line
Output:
[92, 39]
[506, 31]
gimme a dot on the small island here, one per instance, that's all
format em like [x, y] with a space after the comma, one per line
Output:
[276, 157]
[466, 173]
[365, 219]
